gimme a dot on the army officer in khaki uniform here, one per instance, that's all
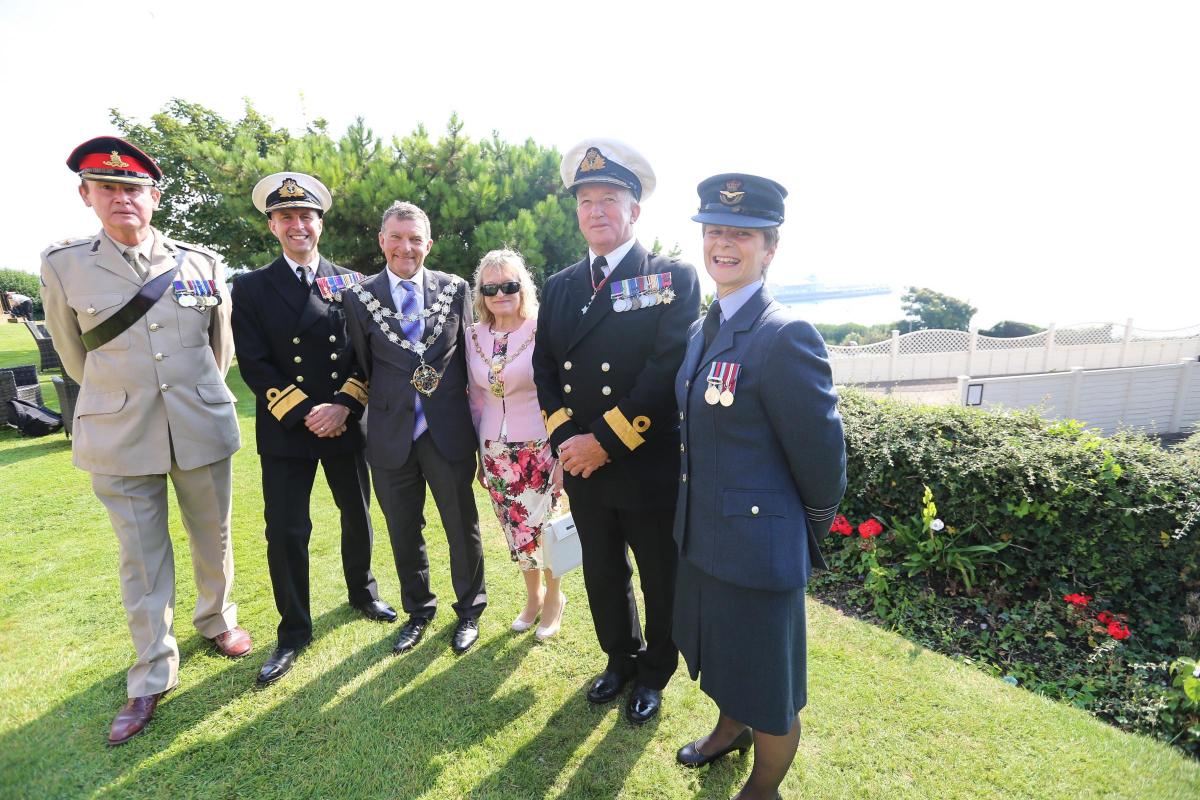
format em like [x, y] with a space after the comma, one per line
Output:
[142, 323]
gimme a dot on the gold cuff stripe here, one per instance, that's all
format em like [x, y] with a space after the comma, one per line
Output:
[621, 427]
[356, 389]
[556, 419]
[280, 403]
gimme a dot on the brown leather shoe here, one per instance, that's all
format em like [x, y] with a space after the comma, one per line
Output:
[233, 643]
[133, 718]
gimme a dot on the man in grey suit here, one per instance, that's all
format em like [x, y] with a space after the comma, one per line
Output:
[141, 322]
[408, 327]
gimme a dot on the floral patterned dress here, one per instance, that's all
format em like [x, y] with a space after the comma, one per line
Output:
[519, 481]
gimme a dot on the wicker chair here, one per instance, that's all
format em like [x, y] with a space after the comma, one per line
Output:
[20, 383]
[45, 345]
[68, 393]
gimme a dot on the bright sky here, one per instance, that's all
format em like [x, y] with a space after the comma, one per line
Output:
[1040, 159]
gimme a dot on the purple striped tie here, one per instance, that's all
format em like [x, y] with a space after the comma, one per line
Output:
[412, 332]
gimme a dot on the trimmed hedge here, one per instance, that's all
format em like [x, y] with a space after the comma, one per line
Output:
[1061, 560]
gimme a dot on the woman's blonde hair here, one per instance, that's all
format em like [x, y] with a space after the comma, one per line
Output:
[498, 259]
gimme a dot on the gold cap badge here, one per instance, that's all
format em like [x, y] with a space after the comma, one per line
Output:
[291, 189]
[592, 161]
[731, 195]
[116, 161]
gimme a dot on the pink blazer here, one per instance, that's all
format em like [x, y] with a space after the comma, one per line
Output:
[520, 402]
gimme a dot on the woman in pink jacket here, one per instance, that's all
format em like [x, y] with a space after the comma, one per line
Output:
[518, 468]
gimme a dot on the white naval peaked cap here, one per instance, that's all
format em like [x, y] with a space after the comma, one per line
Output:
[607, 161]
[291, 190]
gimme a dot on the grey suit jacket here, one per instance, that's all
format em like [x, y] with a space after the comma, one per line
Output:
[160, 384]
[760, 479]
[389, 369]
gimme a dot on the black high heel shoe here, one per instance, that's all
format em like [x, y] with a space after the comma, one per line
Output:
[691, 757]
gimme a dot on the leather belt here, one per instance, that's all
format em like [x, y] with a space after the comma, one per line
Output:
[132, 311]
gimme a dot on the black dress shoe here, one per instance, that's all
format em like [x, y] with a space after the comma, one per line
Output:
[689, 756]
[466, 633]
[410, 634]
[378, 611]
[278, 665]
[606, 687]
[643, 704]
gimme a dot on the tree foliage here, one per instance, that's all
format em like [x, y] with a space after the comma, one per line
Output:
[479, 195]
[1010, 329]
[14, 280]
[927, 309]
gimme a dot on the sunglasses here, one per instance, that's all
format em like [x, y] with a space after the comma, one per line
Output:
[492, 289]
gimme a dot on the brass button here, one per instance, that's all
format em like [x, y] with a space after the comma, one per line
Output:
[91, 310]
[295, 340]
[684, 478]
[164, 387]
[686, 383]
[299, 379]
[333, 356]
[297, 359]
[154, 326]
[332, 339]
[567, 388]
[570, 412]
[333, 375]
[566, 365]
[754, 510]
[158, 356]
[604, 367]
[682, 449]
[607, 390]
[681, 415]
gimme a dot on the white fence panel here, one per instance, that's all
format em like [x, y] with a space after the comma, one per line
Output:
[1159, 399]
[941, 354]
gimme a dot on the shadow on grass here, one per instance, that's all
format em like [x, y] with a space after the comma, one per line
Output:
[342, 734]
[31, 756]
[24, 449]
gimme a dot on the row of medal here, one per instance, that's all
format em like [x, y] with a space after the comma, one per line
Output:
[642, 292]
[722, 383]
[199, 294]
[331, 288]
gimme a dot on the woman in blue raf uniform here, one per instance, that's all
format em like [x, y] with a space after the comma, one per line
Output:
[763, 469]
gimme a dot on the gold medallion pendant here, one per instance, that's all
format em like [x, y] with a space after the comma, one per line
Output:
[425, 379]
[498, 388]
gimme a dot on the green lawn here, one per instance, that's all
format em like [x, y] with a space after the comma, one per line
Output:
[507, 720]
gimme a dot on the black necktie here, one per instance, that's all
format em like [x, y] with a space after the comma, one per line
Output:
[302, 274]
[712, 321]
[598, 270]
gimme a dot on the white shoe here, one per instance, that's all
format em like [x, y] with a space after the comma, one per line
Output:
[544, 632]
[520, 626]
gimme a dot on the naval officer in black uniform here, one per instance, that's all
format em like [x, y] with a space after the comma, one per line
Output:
[611, 335]
[293, 351]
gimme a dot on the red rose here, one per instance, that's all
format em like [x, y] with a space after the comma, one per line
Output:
[869, 528]
[518, 513]
[1079, 600]
[841, 525]
[1105, 618]
[1118, 630]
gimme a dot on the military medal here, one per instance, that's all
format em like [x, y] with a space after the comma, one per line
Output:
[643, 291]
[199, 294]
[722, 383]
[331, 288]
[425, 379]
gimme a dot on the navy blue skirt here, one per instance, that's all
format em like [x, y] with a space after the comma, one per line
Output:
[747, 646]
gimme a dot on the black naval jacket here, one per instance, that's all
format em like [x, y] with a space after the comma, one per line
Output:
[611, 373]
[294, 353]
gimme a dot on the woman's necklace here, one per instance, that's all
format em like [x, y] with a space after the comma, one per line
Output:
[497, 365]
[425, 379]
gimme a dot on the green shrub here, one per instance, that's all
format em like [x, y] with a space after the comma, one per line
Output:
[1060, 560]
[14, 280]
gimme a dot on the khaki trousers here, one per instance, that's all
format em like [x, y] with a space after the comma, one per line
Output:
[137, 507]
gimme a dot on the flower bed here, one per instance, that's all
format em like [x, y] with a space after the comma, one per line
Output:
[1059, 560]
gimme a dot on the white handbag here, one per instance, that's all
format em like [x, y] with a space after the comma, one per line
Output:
[560, 545]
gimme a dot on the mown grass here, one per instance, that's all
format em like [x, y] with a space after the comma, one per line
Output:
[887, 719]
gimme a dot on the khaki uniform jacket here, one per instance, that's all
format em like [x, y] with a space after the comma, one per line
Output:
[158, 386]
